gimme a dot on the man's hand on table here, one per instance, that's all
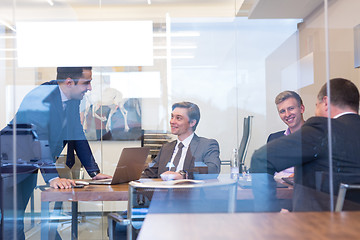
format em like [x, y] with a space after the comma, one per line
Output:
[101, 176]
[62, 183]
[170, 175]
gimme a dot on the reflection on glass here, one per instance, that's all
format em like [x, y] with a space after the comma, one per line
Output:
[115, 43]
[230, 67]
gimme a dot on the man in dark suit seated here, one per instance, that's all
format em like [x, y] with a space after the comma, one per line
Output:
[177, 159]
[308, 150]
[53, 109]
[291, 109]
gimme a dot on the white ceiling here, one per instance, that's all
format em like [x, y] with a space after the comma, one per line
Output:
[263, 9]
[114, 9]
[139, 9]
[116, 3]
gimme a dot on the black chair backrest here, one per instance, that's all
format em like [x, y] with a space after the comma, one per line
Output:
[352, 198]
[245, 140]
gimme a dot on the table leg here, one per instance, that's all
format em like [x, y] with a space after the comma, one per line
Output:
[232, 198]
[45, 220]
[32, 209]
[74, 220]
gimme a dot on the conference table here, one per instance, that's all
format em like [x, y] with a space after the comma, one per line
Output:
[269, 226]
[117, 192]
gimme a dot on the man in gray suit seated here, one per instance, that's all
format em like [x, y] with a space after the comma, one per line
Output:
[177, 159]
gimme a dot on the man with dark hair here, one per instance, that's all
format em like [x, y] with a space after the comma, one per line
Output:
[290, 108]
[344, 95]
[53, 109]
[177, 159]
[74, 73]
[307, 150]
[193, 111]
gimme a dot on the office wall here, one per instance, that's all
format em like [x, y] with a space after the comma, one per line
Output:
[296, 51]
[225, 77]
[343, 17]
[299, 64]
[241, 84]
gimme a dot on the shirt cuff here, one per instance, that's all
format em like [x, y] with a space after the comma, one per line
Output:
[93, 174]
[53, 179]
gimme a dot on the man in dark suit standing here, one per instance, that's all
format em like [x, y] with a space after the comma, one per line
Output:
[176, 160]
[308, 150]
[291, 109]
[53, 109]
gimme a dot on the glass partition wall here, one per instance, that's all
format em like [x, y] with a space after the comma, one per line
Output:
[231, 58]
[342, 56]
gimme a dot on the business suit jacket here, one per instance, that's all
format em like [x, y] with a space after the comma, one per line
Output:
[307, 150]
[275, 135]
[200, 150]
[43, 108]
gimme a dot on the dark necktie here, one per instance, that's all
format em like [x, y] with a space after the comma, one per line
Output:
[177, 157]
[70, 157]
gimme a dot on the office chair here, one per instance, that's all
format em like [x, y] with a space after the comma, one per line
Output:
[155, 140]
[341, 196]
[159, 197]
[244, 144]
[341, 183]
[245, 140]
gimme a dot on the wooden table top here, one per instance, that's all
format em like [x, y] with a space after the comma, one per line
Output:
[281, 193]
[269, 226]
[119, 192]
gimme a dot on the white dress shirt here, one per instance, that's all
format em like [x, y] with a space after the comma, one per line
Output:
[186, 143]
[63, 98]
[342, 114]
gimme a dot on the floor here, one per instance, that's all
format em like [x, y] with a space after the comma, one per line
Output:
[91, 227]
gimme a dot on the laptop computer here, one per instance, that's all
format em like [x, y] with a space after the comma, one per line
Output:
[130, 166]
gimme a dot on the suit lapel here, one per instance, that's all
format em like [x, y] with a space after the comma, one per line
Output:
[56, 107]
[189, 159]
[166, 156]
[57, 116]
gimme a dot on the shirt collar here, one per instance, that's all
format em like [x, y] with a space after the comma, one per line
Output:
[342, 114]
[63, 96]
[186, 141]
[287, 132]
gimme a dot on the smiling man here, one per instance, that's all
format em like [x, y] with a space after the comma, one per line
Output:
[63, 127]
[52, 109]
[308, 150]
[177, 159]
[290, 108]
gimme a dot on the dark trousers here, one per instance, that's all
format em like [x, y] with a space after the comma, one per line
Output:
[13, 208]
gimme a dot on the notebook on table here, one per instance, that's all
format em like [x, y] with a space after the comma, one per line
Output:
[130, 166]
